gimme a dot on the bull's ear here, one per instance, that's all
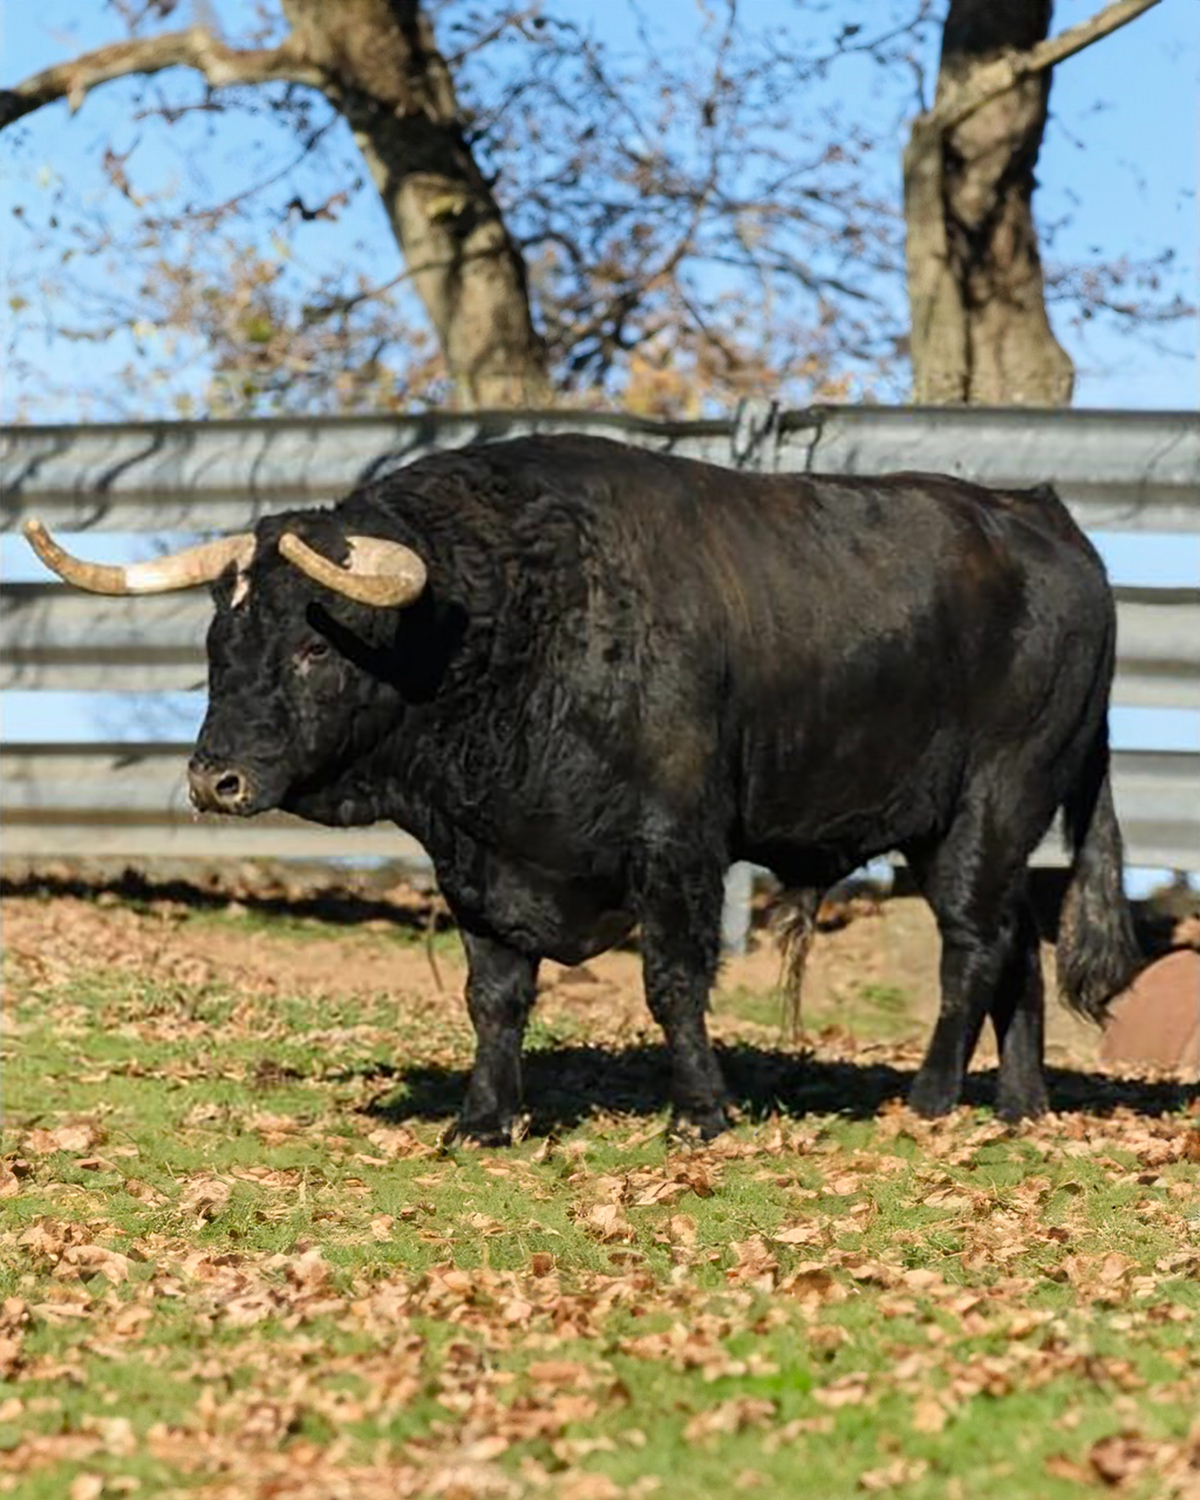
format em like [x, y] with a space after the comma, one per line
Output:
[231, 586]
[377, 572]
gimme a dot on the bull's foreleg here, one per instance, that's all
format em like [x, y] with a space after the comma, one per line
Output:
[501, 986]
[681, 946]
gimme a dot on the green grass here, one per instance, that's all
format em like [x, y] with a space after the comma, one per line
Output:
[881, 1012]
[824, 1305]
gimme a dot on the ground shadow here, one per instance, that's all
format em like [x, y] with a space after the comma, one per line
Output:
[337, 905]
[564, 1086]
[360, 898]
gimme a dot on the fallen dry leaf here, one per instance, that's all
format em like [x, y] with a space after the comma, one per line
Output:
[1120, 1457]
[204, 1197]
[900, 1471]
[85, 1261]
[730, 1417]
[848, 1390]
[609, 1222]
[79, 1137]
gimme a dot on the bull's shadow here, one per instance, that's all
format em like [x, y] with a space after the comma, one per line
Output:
[567, 1085]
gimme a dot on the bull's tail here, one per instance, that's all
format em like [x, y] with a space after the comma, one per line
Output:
[1098, 951]
[796, 926]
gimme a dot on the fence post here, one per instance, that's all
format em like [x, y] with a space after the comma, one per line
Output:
[735, 917]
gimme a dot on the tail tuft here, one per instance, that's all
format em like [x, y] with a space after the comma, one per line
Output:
[796, 926]
[1098, 951]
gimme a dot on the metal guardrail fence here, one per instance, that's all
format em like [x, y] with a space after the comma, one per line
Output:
[1137, 472]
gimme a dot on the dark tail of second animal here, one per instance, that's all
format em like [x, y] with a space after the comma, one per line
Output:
[1098, 951]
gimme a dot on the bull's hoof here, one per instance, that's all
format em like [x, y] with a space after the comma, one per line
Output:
[1015, 1105]
[693, 1126]
[487, 1131]
[932, 1096]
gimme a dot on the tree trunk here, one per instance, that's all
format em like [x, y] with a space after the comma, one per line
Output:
[386, 76]
[980, 334]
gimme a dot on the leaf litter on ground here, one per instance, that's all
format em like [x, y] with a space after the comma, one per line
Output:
[236, 1261]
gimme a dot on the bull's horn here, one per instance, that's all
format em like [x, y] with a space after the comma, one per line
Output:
[160, 575]
[378, 572]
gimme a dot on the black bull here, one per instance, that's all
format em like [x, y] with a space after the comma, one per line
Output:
[626, 671]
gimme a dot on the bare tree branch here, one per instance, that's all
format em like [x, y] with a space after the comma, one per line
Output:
[194, 48]
[1005, 72]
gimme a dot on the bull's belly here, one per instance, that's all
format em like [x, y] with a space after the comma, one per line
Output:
[816, 823]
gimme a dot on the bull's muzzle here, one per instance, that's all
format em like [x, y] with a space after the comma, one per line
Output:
[217, 787]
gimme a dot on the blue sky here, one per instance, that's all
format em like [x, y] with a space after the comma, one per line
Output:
[1119, 158]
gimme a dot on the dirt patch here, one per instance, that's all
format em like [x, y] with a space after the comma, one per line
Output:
[875, 973]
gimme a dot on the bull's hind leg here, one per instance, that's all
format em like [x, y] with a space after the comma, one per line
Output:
[501, 987]
[1019, 1017]
[975, 883]
[973, 958]
[1017, 1011]
[681, 940]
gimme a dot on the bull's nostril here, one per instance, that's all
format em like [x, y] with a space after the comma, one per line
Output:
[217, 788]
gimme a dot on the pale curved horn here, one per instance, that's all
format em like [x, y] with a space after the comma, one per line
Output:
[160, 575]
[381, 573]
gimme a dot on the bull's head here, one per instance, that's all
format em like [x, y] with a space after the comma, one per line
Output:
[294, 650]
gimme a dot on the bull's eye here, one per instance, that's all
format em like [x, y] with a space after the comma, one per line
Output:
[312, 651]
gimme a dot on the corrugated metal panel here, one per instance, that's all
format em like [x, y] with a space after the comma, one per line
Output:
[54, 637]
[272, 837]
[133, 798]
[1119, 471]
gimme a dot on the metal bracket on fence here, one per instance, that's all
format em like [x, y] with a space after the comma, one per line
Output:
[754, 440]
